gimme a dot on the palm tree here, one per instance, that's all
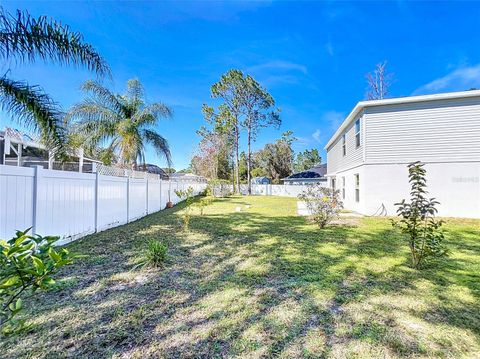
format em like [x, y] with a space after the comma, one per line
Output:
[125, 123]
[24, 39]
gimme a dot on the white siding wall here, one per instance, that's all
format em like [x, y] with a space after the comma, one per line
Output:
[354, 157]
[435, 131]
[455, 185]
[349, 202]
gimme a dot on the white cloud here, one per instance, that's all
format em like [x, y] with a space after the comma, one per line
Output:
[316, 135]
[462, 78]
[278, 65]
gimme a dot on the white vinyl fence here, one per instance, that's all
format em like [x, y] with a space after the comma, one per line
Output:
[72, 205]
[284, 190]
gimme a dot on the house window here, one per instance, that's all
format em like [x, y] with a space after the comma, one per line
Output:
[333, 184]
[357, 133]
[357, 187]
[344, 144]
[343, 187]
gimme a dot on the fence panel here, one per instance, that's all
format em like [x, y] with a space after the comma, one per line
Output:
[292, 190]
[72, 204]
[112, 201]
[65, 203]
[137, 198]
[16, 199]
[165, 193]
[175, 186]
[154, 196]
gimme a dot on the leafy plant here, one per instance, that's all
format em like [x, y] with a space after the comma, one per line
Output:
[202, 203]
[26, 265]
[155, 255]
[187, 196]
[322, 203]
[25, 39]
[418, 219]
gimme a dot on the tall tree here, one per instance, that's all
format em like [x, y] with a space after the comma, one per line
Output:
[277, 158]
[125, 122]
[229, 89]
[379, 82]
[257, 104]
[210, 158]
[25, 39]
[307, 159]
[221, 124]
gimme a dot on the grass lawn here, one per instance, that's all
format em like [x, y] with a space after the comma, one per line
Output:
[259, 283]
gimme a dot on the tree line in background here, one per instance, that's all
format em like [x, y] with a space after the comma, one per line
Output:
[275, 160]
[115, 128]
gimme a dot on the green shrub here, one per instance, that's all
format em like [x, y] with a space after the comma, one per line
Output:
[155, 254]
[418, 219]
[26, 265]
[187, 196]
[323, 203]
[202, 203]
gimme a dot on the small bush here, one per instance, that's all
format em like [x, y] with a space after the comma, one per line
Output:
[26, 265]
[418, 219]
[155, 254]
[187, 196]
[322, 203]
[202, 203]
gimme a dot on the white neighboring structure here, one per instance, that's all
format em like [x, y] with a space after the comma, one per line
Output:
[368, 155]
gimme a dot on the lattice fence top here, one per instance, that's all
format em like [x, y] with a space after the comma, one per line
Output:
[124, 172]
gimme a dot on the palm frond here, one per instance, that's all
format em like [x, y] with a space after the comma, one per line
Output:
[94, 133]
[150, 114]
[25, 38]
[93, 111]
[159, 143]
[103, 96]
[31, 106]
[135, 91]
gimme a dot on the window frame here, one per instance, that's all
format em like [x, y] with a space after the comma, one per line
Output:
[358, 139]
[357, 187]
[344, 144]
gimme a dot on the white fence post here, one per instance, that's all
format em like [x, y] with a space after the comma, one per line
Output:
[128, 199]
[96, 200]
[146, 197]
[36, 183]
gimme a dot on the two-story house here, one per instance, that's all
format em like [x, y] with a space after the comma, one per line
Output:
[368, 155]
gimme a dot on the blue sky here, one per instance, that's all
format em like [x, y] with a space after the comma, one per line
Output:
[311, 56]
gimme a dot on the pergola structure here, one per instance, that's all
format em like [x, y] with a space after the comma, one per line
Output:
[19, 149]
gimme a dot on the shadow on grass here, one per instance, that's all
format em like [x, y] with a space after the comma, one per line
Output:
[245, 283]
